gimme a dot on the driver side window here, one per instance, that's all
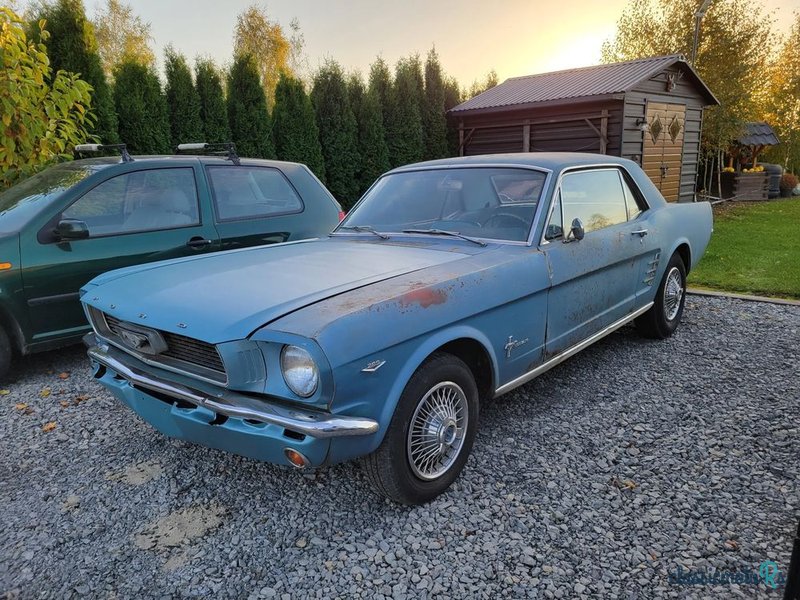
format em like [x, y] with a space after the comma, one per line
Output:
[595, 196]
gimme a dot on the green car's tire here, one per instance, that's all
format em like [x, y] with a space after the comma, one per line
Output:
[5, 353]
[431, 433]
[664, 316]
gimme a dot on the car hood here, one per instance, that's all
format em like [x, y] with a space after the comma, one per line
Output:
[228, 295]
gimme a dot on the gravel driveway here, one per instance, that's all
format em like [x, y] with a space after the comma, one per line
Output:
[601, 477]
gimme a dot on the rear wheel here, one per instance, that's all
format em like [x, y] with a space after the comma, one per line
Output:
[431, 433]
[5, 353]
[664, 316]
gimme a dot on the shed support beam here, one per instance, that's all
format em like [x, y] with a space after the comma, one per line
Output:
[526, 137]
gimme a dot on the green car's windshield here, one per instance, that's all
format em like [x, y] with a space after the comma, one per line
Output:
[496, 203]
[23, 201]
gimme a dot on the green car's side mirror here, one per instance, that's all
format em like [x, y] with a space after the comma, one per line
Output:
[71, 229]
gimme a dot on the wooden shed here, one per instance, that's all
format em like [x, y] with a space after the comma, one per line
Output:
[649, 110]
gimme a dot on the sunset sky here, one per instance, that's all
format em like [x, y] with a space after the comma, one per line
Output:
[515, 37]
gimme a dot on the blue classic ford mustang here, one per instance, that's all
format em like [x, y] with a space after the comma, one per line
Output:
[450, 283]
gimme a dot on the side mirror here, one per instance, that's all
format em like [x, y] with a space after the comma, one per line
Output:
[71, 229]
[576, 231]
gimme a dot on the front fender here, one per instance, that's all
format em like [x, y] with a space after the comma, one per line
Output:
[375, 395]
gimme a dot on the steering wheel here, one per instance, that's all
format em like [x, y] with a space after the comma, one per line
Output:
[509, 217]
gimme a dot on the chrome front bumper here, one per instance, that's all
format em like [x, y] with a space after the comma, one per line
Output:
[309, 422]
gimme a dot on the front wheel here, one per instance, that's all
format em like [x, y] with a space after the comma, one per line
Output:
[663, 318]
[431, 433]
[5, 353]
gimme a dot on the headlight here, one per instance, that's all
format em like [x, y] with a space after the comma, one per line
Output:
[299, 371]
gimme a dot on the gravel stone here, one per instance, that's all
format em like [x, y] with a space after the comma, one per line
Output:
[598, 479]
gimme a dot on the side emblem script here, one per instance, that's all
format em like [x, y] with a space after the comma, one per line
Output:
[141, 339]
[513, 344]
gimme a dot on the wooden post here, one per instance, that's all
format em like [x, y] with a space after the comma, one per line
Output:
[526, 136]
[461, 138]
[603, 131]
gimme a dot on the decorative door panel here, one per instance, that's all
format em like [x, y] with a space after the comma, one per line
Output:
[663, 147]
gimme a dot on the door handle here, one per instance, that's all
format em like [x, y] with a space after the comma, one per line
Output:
[639, 232]
[198, 242]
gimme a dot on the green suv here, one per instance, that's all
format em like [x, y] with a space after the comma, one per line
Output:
[76, 220]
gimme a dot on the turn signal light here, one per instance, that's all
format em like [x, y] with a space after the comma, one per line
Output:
[297, 459]
[5, 266]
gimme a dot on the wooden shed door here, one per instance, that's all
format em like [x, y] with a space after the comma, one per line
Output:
[663, 147]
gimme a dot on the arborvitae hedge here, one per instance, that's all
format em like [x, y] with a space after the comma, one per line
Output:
[213, 113]
[247, 110]
[433, 117]
[72, 47]
[380, 85]
[337, 132]
[371, 135]
[452, 97]
[142, 109]
[405, 135]
[183, 103]
[294, 126]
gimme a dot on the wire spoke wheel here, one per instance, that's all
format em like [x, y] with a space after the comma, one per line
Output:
[673, 294]
[437, 430]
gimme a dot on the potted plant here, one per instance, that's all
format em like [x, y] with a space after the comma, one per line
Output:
[788, 183]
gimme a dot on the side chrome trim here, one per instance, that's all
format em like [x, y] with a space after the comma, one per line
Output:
[313, 423]
[559, 358]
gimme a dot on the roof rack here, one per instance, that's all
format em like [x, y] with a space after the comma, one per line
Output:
[226, 149]
[88, 148]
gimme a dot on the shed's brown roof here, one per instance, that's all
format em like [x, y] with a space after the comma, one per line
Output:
[584, 82]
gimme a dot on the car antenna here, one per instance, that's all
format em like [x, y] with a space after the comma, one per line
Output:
[226, 149]
[121, 148]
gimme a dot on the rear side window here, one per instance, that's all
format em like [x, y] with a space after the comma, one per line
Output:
[139, 201]
[245, 192]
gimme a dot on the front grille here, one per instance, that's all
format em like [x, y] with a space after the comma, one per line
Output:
[195, 353]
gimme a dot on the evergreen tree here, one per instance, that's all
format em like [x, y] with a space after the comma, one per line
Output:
[371, 135]
[294, 126]
[247, 110]
[72, 47]
[452, 97]
[404, 134]
[183, 102]
[380, 85]
[433, 114]
[142, 109]
[213, 115]
[337, 131]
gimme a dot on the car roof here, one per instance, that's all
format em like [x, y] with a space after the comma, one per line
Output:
[107, 161]
[552, 161]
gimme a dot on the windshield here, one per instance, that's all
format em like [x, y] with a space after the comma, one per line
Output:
[21, 202]
[483, 202]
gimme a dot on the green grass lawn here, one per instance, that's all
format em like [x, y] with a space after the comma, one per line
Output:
[755, 249]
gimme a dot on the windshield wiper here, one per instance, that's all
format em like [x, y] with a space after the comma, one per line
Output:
[446, 232]
[367, 228]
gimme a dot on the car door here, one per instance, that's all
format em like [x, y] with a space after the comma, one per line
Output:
[134, 217]
[253, 204]
[593, 280]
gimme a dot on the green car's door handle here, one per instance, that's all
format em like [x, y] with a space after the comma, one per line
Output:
[198, 242]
